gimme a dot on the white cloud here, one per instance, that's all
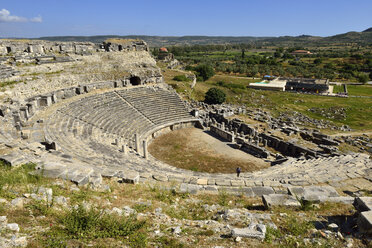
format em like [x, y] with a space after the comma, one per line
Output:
[37, 19]
[6, 17]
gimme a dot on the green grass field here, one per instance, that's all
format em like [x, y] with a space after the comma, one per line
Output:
[358, 110]
[355, 90]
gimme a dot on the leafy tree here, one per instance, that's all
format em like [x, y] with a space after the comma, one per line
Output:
[204, 71]
[215, 96]
[155, 52]
[318, 61]
[363, 78]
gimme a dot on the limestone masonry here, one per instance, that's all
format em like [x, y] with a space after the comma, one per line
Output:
[83, 111]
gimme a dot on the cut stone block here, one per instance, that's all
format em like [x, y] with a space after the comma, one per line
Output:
[131, 177]
[202, 181]
[249, 183]
[108, 173]
[237, 183]
[13, 159]
[175, 178]
[211, 189]
[262, 190]
[161, 178]
[211, 182]
[257, 231]
[189, 188]
[313, 193]
[53, 170]
[280, 200]
[222, 182]
[364, 222]
[299, 182]
[95, 179]
[341, 199]
[363, 204]
[80, 179]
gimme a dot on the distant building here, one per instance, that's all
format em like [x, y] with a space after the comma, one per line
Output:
[308, 85]
[163, 50]
[165, 55]
[275, 85]
[301, 52]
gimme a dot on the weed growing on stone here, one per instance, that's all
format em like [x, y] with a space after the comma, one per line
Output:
[13, 179]
[166, 242]
[223, 198]
[296, 226]
[82, 223]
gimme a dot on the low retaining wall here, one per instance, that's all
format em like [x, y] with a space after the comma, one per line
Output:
[222, 133]
[255, 150]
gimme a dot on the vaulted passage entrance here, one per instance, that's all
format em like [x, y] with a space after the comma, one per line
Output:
[135, 81]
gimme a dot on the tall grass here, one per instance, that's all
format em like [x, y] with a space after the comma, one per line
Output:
[11, 178]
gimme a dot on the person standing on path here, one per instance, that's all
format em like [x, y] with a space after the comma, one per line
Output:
[238, 170]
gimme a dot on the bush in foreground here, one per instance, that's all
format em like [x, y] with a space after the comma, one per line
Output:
[215, 96]
[81, 223]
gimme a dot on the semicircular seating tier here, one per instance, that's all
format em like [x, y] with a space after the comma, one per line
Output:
[88, 132]
[123, 113]
[93, 129]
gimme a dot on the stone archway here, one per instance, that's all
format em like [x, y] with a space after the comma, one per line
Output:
[135, 80]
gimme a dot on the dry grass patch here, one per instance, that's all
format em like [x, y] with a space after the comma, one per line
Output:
[181, 150]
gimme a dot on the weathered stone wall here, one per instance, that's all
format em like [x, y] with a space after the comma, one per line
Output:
[254, 142]
[255, 150]
[14, 47]
[222, 133]
[125, 45]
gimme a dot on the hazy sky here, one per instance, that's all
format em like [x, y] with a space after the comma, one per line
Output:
[35, 18]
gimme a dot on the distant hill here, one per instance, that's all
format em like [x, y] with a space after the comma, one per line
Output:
[158, 41]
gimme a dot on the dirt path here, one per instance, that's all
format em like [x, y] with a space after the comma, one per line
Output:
[369, 133]
[202, 140]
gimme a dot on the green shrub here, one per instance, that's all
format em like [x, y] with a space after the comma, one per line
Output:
[175, 86]
[81, 222]
[40, 208]
[181, 78]
[363, 78]
[140, 207]
[296, 226]
[166, 242]
[223, 198]
[189, 68]
[215, 96]
[15, 176]
[168, 196]
[138, 240]
[54, 239]
[192, 212]
[306, 205]
[204, 71]
[271, 234]
[205, 233]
